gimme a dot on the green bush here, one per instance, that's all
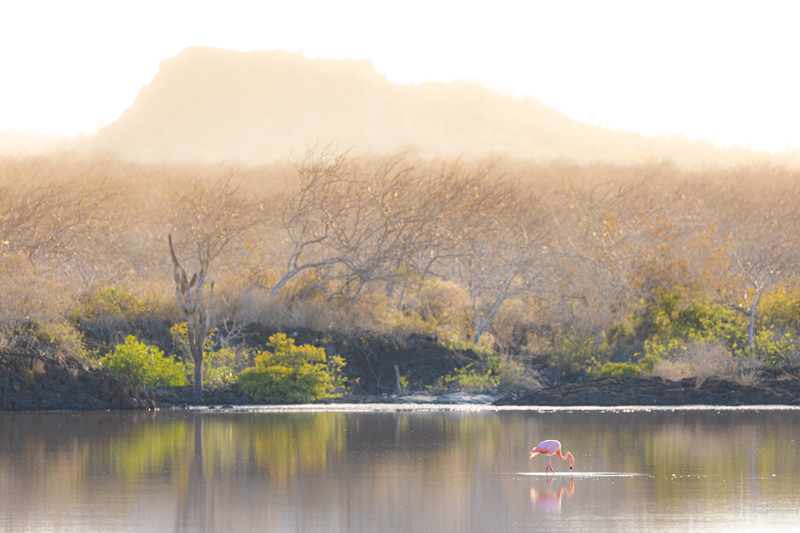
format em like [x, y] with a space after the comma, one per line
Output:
[292, 374]
[780, 308]
[109, 314]
[622, 370]
[576, 351]
[217, 369]
[667, 319]
[468, 379]
[144, 366]
[672, 328]
[219, 363]
[112, 302]
[501, 373]
[120, 305]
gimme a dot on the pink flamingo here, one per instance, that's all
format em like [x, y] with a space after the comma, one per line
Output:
[550, 448]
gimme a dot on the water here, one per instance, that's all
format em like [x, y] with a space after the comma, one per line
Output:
[398, 471]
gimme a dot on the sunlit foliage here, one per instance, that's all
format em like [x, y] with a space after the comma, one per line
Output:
[144, 366]
[291, 373]
[600, 268]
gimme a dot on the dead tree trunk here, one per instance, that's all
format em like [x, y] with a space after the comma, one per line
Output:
[198, 315]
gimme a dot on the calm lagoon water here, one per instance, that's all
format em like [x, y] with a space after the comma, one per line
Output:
[398, 471]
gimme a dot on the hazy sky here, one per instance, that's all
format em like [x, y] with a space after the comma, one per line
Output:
[725, 71]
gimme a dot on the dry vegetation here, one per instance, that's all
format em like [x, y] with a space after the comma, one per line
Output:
[601, 268]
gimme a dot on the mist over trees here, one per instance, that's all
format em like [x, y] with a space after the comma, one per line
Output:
[500, 253]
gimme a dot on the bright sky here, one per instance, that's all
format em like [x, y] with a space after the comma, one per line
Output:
[714, 70]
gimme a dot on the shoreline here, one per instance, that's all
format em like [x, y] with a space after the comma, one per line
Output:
[412, 407]
[422, 408]
[30, 384]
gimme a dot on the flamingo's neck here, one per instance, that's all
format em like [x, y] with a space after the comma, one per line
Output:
[568, 455]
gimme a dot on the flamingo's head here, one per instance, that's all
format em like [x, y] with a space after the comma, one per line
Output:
[534, 452]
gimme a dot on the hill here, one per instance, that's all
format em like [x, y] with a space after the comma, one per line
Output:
[207, 104]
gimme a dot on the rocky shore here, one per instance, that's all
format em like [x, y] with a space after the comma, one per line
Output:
[780, 390]
[30, 383]
[184, 396]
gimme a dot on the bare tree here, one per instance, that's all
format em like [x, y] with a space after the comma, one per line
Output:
[605, 231]
[53, 234]
[763, 254]
[373, 237]
[310, 209]
[437, 200]
[351, 220]
[213, 218]
[53, 223]
[197, 313]
[502, 249]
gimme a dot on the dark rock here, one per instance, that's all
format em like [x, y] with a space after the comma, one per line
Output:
[45, 403]
[129, 403]
[652, 391]
[52, 371]
[27, 405]
[121, 392]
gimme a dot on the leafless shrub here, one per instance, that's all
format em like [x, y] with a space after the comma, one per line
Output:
[514, 375]
[27, 295]
[699, 360]
[710, 359]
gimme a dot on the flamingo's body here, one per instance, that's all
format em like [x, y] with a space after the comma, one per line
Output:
[550, 448]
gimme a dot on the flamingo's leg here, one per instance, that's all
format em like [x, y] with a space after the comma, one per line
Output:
[549, 466]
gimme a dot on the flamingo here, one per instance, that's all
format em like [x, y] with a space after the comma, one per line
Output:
[550, 448]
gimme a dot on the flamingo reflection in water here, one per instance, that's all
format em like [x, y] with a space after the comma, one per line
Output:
[549, 501]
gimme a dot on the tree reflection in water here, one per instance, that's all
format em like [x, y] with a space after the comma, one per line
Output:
[195, 508]
[174, 471]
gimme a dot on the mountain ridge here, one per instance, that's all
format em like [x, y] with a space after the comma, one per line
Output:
[210, 105]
